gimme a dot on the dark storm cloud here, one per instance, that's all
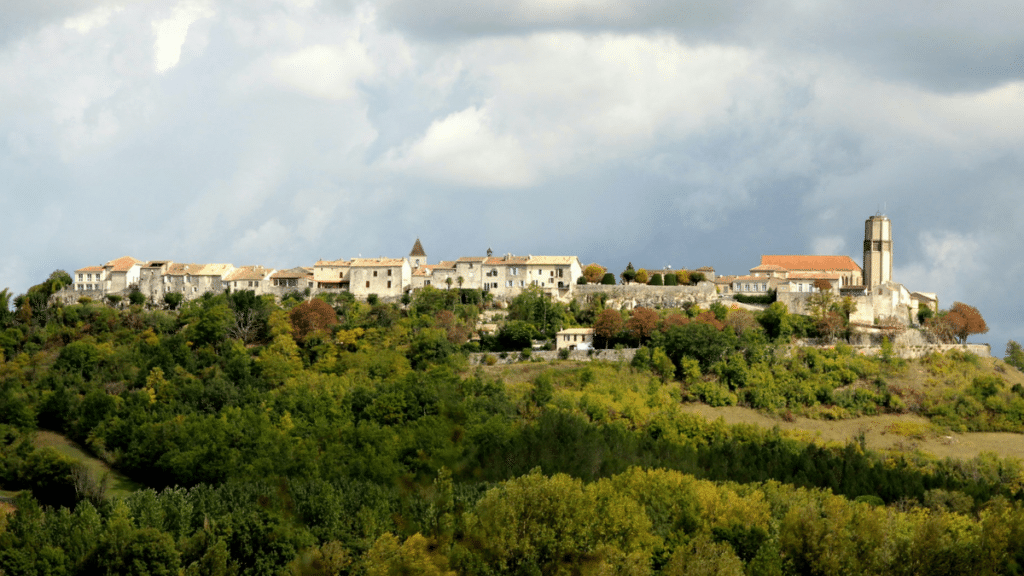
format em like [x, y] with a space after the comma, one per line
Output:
[946, 46]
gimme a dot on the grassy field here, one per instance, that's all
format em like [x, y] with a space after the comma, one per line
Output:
[118, 485]
[884, 432]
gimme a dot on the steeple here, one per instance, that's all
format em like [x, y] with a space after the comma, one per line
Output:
[417, 256]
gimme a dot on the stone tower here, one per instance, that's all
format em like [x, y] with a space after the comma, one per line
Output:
[877, 250]
[417, 257]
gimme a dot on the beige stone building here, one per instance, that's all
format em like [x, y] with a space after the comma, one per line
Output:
[331, 275]
[298, 279]
[254, 278]
[114, 277]
[575, 339]
[388, 278]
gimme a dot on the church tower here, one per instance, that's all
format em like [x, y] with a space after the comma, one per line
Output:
[877, 250]
[417, 257]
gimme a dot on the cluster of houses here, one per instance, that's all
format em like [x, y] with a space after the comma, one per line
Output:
[388, 278]
[791, 277]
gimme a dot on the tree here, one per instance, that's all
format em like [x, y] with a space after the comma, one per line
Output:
[608, 279]
[607, 325]
[136, 297]
[594, 272]
[656, 280]
[448, 281]
[311, 316]
[965, 320]
[671, 280]
[683, 277]
[173, 299]
[516, 335]
[642, 323]
[642, 277]
[1015, 355]
[629, 274]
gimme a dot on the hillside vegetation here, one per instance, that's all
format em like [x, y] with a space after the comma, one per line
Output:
[341, 437]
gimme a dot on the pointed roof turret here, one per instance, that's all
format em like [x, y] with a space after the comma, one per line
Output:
[417, 249]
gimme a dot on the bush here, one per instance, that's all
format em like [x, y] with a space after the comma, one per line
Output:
[563, 354]
[608, 279]
[137, 298]
[671, 280]
[656, 280]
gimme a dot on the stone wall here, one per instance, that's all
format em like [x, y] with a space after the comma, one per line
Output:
[907, 351]
[623, 355]
[629, 296]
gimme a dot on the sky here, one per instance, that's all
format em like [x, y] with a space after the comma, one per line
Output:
[670, 132]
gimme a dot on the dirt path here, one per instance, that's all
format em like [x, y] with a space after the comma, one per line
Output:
[877, 432]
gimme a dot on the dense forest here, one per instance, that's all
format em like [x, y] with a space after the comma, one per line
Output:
[331, 436]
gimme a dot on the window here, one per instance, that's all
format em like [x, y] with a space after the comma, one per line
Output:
[508, 283]
[341, 274]
[374, 273]
[513, 271]
[79, 277]
[389, 282]
[426, 282]
[367, 283]
[389, 271]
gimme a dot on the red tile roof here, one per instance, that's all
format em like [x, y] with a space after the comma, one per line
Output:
[819, 263]
[122, 264]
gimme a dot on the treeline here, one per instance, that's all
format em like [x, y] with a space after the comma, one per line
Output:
[347, 437]
[641, 521]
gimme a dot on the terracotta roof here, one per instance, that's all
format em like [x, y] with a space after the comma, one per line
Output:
[334, 263]
[821, 263]
[179, 269]
[376, 262]
[445, 264]
[248, 273]
[472, 259]
[551, 260]
[814, 276]
[769, 268]
[298, 272]
[576, 331]
[506, 260]
[417, 249]
[122, 264]
[157, 263]
[91, 269]
[214, 270]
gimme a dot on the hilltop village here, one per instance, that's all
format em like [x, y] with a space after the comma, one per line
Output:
[791, 279]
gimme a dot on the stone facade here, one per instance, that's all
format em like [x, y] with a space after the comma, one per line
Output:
[388, 278]
[631, 296]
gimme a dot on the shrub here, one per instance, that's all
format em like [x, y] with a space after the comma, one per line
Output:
[656, 280]
[671, 280]
[490, 360]
[608, 279]
[137, 298]
[563, 354]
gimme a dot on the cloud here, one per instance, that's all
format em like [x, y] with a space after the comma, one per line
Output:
[170, 33]
[463, 149]
[330, 72]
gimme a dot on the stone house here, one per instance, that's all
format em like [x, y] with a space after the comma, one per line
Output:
[194, 280]
[91, 279]
[556, 275]
[151, 279]
[505, 276]
[440, 273]
[114, 277]
[122, 273]
[848, 271]
[575, 339]
[296, 279]
[254, 278]
[331, 275]
[388, 278]
[470, 270]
